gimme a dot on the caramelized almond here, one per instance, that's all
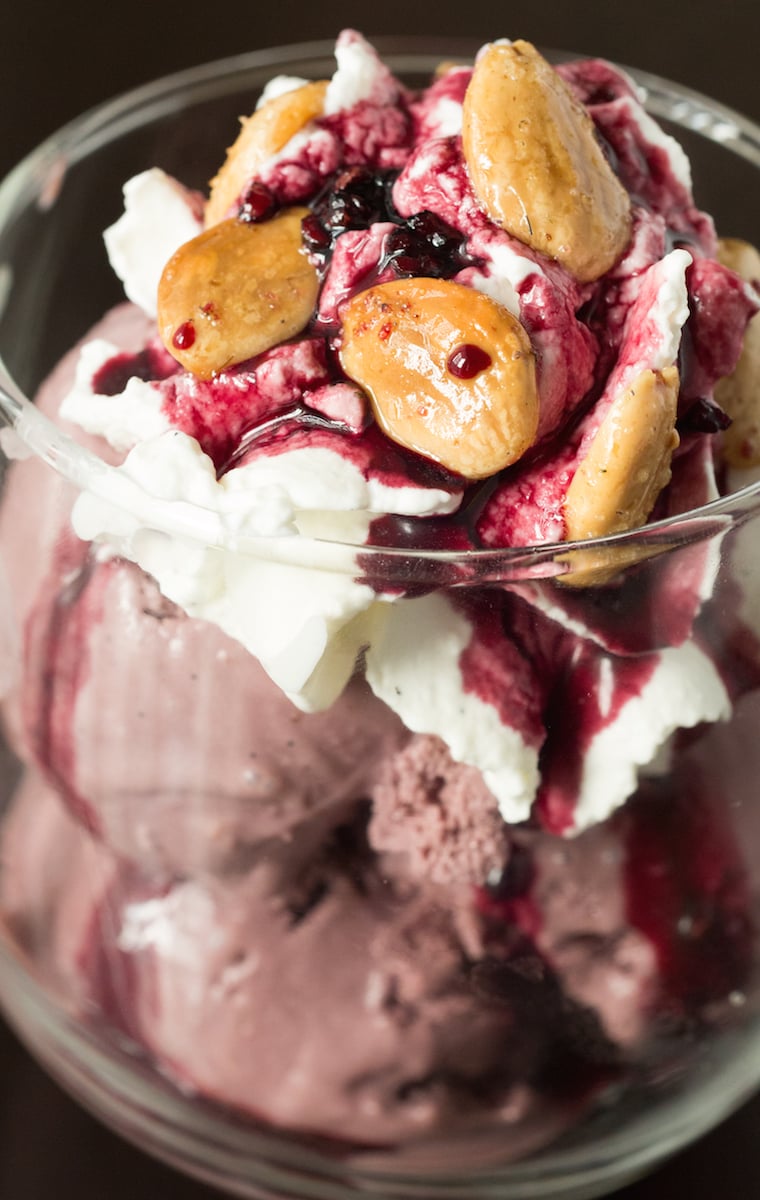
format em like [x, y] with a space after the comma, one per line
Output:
[264, 134]
[628, 462]
[450, 373]
[448, 65]
[595, 568]
[739, 393]
[234, 291]
[536, 164]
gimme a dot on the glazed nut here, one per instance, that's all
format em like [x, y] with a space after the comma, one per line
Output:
[263, 134]
[739, 393]
[603, 564]
[234, 291]
[450, 373]
[448, 65]
[536, 165]
[628, 462]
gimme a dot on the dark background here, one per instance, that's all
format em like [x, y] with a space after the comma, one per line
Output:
[57, 59]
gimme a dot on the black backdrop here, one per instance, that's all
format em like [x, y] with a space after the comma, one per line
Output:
[57, 59]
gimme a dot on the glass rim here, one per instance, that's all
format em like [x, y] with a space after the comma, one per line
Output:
[687, 108]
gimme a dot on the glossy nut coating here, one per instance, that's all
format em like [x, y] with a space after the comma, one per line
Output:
[628, 462]
[739, 392]
[234, 291]
[263, 134]
[536, 165]
[398, 339]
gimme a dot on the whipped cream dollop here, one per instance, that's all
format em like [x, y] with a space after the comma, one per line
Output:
[159, 215]
[305, 624]
[300, 460]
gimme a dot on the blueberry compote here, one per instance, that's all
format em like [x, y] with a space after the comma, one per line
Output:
[422, 244]
[354, 198]
[257, 203]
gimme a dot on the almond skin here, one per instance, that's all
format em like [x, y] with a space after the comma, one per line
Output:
[628, 462]
[263, 134]
[402, 342]
[536, 165]
[234, 291]
[739, 392]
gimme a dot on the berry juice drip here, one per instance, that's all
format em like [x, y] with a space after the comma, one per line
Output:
[150, 365]
[55, 650]
[467, 361]
[687, 890]
[184, 336]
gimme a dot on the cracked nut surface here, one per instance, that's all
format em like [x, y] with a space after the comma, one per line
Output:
[450, 373]
[536, 164]
[234, 291]
[739, 393]
[628, 462]
[263, 134]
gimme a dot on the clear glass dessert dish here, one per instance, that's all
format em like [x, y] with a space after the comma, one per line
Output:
[213, 931]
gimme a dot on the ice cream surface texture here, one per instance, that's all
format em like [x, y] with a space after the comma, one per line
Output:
[357, 758]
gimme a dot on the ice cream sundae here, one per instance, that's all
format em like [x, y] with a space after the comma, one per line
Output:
[361, 798]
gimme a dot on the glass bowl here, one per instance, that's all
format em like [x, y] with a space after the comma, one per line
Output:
[146, 829]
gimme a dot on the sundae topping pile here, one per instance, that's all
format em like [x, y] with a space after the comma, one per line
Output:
[486, 315]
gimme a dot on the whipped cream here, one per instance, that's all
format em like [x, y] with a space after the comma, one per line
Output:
[505, 273]
[683, 690]
[300, 621]
[414, 665]
[159, 215]
[124, 419]
[360, 76]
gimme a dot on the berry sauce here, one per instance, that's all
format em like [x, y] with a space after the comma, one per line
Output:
[575, 715]
[152, 365]
[184, 336]
[356, 198]
[688, 892]
[703, 416]
[467, 361]
[508, 900]
[256, 204]
[424, 245]
[56, 641]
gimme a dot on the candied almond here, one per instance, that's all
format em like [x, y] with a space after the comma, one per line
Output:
[263, 134]
[602, 564]
[536, 164]
[628, 462]
[450, 64]
[739, 392]
[450, 373]
[234, 291]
